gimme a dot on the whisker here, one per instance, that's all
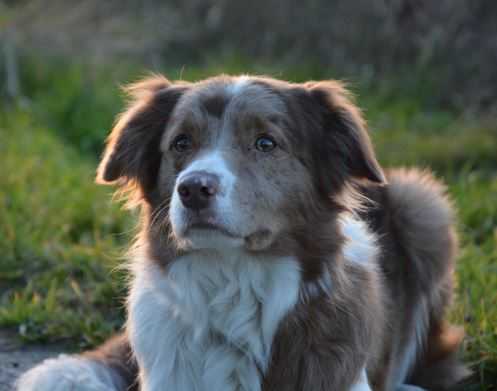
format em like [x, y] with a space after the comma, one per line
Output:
[159, 210]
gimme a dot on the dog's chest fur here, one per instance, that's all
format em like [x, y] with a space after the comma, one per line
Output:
[210, 321]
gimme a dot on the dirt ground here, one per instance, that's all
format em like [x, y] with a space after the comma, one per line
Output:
[15, 359]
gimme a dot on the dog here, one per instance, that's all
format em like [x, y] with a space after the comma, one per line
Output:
[274, 253]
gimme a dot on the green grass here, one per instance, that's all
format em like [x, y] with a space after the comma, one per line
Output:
[61, 238]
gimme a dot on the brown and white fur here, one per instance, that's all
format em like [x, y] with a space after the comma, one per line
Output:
[299, 264]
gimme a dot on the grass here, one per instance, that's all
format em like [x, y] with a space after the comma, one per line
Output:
[61, 238]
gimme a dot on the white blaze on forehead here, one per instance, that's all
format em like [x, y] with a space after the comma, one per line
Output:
[238, 85]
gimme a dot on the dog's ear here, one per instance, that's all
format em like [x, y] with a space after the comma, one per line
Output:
[132, 150]
[345, 130]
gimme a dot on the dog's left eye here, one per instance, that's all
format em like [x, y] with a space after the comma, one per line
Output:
[182, 143]
[265, 144]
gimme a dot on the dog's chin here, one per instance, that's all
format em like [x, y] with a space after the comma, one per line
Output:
[213, 238]
[200, 238]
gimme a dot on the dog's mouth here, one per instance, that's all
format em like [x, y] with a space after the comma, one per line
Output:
[212, 227]
[207, 224]
[204, 235]
[204, 232]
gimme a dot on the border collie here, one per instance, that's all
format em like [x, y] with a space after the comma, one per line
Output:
[274, 253]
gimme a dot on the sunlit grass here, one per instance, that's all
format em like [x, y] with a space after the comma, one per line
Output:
[59, 238]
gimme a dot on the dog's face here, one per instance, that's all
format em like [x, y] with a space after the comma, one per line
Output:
[238, 161]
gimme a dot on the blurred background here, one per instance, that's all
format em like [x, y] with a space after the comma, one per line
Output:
[425, 73]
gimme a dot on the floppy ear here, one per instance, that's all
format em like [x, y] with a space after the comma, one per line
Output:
[132, 151]
[345, 130]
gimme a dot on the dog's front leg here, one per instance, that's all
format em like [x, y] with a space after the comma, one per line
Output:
[325, 342]
[305, 360]
[317, 372]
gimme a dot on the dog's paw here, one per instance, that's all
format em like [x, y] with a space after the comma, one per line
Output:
[67, 373]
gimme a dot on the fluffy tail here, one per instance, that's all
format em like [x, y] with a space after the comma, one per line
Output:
[423, 222]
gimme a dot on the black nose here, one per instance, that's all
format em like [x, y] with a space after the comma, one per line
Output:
[198, 189]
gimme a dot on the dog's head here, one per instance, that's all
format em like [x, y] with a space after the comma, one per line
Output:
[237, 161]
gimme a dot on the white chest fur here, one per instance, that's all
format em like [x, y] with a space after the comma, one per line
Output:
[208, 323]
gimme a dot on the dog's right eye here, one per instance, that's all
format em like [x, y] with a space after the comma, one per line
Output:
[182, 143]
[265, 144]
